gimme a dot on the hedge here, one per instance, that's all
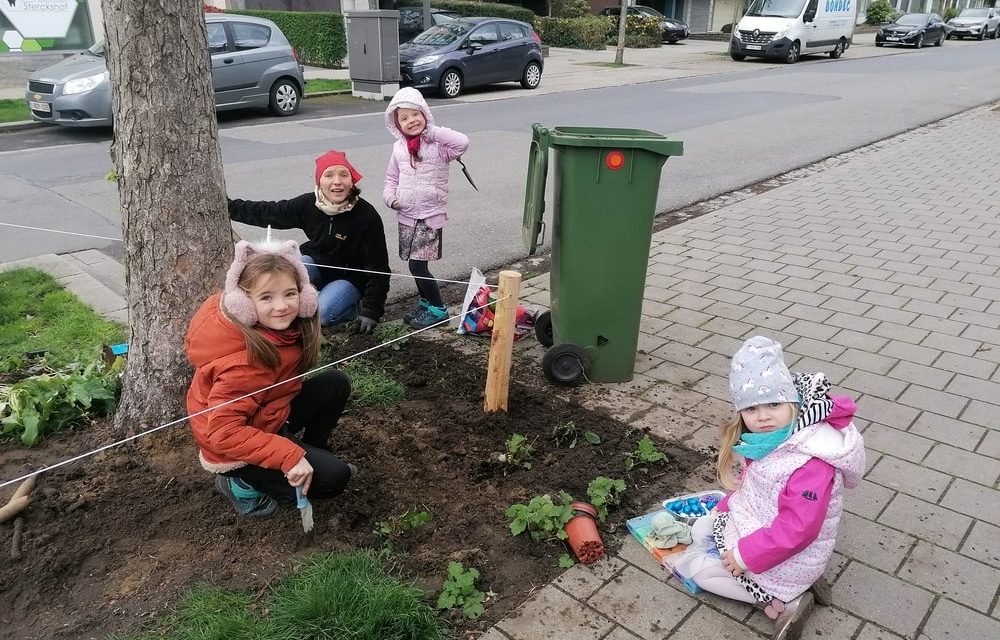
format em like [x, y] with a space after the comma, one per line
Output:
[319, 37]
[575, 33]
[641, 32]
[476, 9]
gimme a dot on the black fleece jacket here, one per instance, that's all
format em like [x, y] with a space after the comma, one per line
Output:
[353, 239]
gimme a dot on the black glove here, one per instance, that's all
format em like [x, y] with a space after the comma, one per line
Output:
[366, 324]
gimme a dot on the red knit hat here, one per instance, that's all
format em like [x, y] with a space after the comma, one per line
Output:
[334, 158]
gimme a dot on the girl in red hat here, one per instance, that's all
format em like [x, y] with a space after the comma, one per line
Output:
[343, 230]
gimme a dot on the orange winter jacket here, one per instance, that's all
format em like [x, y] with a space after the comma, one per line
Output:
[243, 432]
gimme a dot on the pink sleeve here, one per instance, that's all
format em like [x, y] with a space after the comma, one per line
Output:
[391, 180]
[802, 507]
[451, 143]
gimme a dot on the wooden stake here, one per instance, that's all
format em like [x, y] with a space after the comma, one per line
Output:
[502, 342]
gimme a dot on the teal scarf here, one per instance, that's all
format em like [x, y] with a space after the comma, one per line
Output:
[755, 446]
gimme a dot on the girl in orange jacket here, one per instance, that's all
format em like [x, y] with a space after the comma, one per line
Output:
[261, 437]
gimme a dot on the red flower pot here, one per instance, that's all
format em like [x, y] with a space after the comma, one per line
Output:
[583, 537]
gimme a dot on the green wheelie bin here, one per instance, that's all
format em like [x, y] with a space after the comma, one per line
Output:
[606, 182]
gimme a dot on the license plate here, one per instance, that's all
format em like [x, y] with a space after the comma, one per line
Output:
[893, 39]
[40, 106]
[754, 47]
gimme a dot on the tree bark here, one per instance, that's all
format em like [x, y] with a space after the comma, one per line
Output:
[622, 19]
[171, 188]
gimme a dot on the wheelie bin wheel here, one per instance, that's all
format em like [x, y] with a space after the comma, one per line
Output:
[543, 329]
[564, 364]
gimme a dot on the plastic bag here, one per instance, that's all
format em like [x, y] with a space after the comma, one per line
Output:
[479, 309]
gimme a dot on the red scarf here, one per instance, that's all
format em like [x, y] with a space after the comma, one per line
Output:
[413, 145]
[282, 338]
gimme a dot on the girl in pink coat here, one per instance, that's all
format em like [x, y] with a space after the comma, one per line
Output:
[770, 539]
[416, 186]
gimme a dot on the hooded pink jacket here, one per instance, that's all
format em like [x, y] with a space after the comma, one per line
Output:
[785, 514]
[421, 188]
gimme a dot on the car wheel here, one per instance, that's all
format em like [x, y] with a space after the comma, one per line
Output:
[982, 34]
[451, 83]
[940, 41]
[532, 76]
[879, 44]
[996, 32]
[948, 37]
[920, 42]
[793, 53]
[285, 97]
[737, 56]
[838, 50]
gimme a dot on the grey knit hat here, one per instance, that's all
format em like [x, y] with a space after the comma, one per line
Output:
[758, 375]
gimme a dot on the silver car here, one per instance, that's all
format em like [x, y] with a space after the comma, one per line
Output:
[981, 23]
[253, 65]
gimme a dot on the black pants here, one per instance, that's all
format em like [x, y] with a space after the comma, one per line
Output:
[428, 289]
[315, 412]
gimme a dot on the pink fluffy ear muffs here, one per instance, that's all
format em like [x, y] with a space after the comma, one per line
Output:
[236, 301]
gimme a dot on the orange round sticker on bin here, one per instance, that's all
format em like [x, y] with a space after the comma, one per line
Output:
[615, 160]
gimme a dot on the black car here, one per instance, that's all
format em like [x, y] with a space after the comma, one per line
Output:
[472, 51]
[916, 29]
[673, 29]
[411, 21]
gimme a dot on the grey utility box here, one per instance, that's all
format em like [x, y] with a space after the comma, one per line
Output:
[373, 53]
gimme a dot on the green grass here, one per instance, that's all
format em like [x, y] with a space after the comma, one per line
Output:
[14, 110]
[37, 314]
[370, 386]
[329, 597]
[315, 86]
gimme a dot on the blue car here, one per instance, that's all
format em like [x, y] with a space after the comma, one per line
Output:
[469, 52]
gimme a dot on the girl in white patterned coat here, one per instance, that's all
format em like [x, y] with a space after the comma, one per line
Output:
[416, 186]
[770, 539]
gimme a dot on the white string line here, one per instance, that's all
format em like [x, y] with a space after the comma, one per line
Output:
[228, 402]
[68, 233]
[324, 266]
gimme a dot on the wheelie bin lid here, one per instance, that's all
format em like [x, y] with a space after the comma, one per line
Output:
[604, 137]
[534, 192]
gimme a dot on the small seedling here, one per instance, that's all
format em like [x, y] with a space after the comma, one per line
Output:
[605, 493]
[541, 517]
[519, 452]
[391, 331]
[644, 455]
[460, 592]
[409, 520]
[370, 386]
[566, 561]
[566, 434]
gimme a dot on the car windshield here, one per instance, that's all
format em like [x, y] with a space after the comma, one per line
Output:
[912, 20]
[972, 13]
[443, 34]
[776, 8]
[649, 11]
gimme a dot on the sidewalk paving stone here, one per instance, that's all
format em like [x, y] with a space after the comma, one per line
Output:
[957, 577]
[926, 521]
[982, 503]
[909, 478]
[706, 623]
[901, 444]
[951, 621]
[983, 544]
[640, 604]
[554, 615]
[873, 544]
[874, 595]
[964, 464]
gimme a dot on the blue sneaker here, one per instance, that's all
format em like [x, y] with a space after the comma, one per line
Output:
[417, 312]
[247, 500]
[431, 316]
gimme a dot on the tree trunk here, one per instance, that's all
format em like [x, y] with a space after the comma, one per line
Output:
[622, 18]
[172, 193]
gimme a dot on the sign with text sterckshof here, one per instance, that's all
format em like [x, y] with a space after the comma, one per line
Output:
[40, 18]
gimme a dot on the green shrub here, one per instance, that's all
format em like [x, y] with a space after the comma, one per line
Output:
[476, 9]
[880, 12]
[573, 33]
[641, 32]
[570, 8]
[319, 37]
[950, 13]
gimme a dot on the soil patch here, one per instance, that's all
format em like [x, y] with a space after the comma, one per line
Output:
[114, 539]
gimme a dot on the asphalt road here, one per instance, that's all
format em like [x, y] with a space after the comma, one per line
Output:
[737, 128]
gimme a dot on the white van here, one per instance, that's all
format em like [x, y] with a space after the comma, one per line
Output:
[786, 29]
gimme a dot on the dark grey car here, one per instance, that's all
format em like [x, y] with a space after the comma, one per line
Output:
[253, 65]
[472, 51]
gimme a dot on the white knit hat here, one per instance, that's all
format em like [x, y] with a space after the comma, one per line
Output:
[758, 375]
